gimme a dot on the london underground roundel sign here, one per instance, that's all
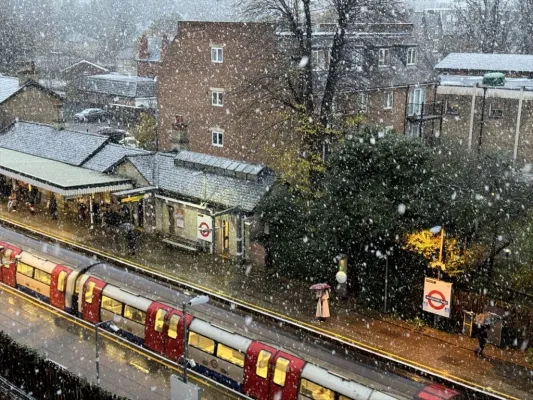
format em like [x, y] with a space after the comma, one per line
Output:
[437, 297]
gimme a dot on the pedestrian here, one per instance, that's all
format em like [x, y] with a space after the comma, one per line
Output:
[482, 340]
[131, 241]
[52, 207]
[322, 305]
[11, 200]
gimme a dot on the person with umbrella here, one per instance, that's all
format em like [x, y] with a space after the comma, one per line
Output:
[322, 296]
[482, 335]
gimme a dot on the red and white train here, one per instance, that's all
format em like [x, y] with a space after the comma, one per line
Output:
[97, 291]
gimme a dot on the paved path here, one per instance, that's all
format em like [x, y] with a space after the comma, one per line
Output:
[504, 371]
[123, 371]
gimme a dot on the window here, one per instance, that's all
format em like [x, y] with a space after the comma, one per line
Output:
[384, 58]
[261, 368]
[61, 281]
[135, 315]
[218, 139]
[341, 397]
[495, 113]
[231, 355]
[112, 305]
[201, 342]
[388, 100]
[43, 277]
[280, 373]
[319, 59]
[173, 326]
[357, 60]
[451, 108]
[313, 391]
[416, 102]
[362, 102]
[411, 56]
[216, 98]
[159, 320]
[25, 269]
[216, 54]
[89, 292]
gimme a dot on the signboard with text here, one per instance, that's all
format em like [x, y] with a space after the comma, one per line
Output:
[205, 229]
[180, 218]
[437, 297]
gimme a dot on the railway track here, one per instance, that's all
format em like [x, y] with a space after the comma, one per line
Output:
[395, 362]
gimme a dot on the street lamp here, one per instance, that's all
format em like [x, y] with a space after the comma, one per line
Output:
[116, 320]
[436, 230]
[193, 302]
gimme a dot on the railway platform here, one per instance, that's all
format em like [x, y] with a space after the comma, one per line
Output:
[504, 372]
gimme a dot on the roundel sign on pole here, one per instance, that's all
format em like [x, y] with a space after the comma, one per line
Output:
[205, 230]
[437, 297]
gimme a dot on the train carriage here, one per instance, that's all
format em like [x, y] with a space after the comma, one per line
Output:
[8, 267]
[218, 354]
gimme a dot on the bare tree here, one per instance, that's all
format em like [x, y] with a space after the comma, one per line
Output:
[484, 26]
[525, 26]
[297, 22]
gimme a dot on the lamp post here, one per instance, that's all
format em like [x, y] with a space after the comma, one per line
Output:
[193, 302]
[436, 230]
[116, 320]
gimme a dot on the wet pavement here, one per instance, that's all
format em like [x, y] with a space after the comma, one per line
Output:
[123, 371]
[504, 372]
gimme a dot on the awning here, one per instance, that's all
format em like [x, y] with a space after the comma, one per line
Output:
[58, 177]
[133, 195]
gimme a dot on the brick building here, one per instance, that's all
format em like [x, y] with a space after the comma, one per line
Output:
[484, 117]
[28, 100]
[201, 104]
[152, 49]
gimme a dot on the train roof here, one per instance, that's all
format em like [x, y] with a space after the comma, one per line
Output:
[343, 386]
[230, 339]
[131, 299]
[40, 263]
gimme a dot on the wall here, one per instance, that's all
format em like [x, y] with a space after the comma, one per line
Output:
[30, 104]
[187, 74]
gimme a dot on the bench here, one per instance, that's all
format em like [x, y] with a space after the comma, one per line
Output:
[181, 245]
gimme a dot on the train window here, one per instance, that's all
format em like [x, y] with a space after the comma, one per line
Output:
[341, 397]
[261, 368]
[61, 281]
[201, 342]
[112, 305]
[89, 292]
[173, 326]
[159, 320]
[43, 277]
[231, 355]
[25, 269]
[313, 391]
[280, 372]
[134, 314]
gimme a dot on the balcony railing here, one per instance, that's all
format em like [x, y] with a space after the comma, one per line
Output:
[425, 111]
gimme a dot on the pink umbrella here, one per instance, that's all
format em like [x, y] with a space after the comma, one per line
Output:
[320, 286]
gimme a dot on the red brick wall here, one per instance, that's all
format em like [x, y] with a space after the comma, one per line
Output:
[187, 74]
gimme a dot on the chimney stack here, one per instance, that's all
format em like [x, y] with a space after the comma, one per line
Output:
[27, 72]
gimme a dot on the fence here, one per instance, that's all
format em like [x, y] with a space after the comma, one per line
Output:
[42, 379]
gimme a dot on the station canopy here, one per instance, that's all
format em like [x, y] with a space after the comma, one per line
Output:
[58, 177]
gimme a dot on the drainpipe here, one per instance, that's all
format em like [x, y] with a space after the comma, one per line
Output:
[482, 121]
[239, 238]
[406, 110]
[472, 112]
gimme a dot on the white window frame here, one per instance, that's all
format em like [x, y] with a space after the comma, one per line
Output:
[217, 98]
[362, 102]
[384, 57]
[319, 59]
[388, 100]
[494, 111]
[217, 138]
[418, 94]
[411, 56]
[217, 54]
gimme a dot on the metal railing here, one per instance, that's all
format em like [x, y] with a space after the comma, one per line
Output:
[416, 111]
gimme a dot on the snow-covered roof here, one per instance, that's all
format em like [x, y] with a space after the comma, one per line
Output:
[121, 85]
[487, 62]
[8, 87]
[86, 62]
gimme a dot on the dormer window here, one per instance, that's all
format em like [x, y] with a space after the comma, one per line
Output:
[384, 57]
[411, 56]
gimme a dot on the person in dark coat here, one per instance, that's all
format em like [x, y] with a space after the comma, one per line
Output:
[131, 241]
[52, 207]
[482, 340]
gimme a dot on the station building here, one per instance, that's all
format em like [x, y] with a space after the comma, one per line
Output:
[189, 200]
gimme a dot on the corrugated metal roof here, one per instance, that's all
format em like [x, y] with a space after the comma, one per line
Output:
[120, 85]
[487, 62]
[61, 178]
[8, 87]
[71, 147]
[200, 161]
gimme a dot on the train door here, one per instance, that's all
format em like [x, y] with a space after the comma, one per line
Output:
[58, 286]
[174, 334]
[91, 299]
[257, 374]
[286, 371]
[157, 317]
[9, 264]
